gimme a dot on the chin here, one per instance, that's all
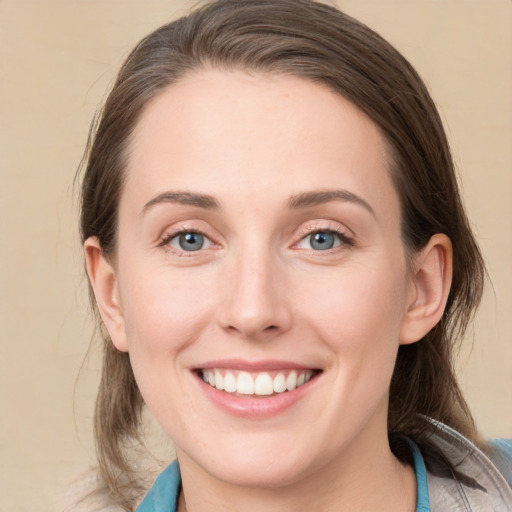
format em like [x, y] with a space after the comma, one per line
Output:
[258, 462]
[268, 473]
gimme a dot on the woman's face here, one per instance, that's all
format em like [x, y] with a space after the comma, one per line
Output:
[259, 247]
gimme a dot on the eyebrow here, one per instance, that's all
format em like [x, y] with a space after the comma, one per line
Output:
[297, 201]
[187, 198]
[318, 197]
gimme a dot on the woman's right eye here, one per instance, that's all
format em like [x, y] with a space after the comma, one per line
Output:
[188, 241]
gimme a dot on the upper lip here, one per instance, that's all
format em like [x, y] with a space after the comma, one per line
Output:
[253, 366]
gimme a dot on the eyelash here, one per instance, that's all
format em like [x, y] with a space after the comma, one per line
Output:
[309, 231]
[306, 232]
[168, 237]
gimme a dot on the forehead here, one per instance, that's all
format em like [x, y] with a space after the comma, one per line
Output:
[220, 130]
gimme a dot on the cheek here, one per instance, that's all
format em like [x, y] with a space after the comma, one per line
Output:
[164, 312]
[164, 315]
[358, 312]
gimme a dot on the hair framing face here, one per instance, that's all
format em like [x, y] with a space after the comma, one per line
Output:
[319, 43]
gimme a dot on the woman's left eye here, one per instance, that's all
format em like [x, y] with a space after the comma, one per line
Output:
[189, 241]
[322, 240]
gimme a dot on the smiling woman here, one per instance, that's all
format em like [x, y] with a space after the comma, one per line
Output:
[278, 252]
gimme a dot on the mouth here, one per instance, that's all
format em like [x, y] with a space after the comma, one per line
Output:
[256, 383]
[256, 390]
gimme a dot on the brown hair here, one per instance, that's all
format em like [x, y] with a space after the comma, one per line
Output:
[315, 41]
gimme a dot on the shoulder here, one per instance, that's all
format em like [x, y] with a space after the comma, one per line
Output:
[500, 452]
[87, 494]
[472, 480]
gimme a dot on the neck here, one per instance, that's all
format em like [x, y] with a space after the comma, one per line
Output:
[374, 480]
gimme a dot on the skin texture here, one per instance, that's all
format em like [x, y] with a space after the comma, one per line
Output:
[257, 291]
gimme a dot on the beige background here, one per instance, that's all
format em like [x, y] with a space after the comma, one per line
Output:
[57, 59]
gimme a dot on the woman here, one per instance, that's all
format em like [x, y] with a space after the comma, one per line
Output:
[279, 254]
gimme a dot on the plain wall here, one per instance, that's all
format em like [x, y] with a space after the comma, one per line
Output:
[57, 60]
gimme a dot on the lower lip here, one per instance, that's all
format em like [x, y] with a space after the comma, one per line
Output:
[251, 407]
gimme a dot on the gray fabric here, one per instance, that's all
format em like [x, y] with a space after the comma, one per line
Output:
[484, 490]
[500, 452]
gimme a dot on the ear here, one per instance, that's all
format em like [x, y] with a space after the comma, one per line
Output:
[429, 289]
[103, 279]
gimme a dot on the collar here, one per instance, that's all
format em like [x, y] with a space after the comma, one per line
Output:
[163, 496]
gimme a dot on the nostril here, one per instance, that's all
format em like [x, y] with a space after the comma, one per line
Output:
[254, 331]
[268, 328]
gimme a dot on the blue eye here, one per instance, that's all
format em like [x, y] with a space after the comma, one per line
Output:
[189, 241]
[323, 240]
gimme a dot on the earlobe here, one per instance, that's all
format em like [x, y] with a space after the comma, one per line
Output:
[103, 279]
[430, 287]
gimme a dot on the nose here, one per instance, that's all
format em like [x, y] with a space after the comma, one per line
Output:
[256, 302]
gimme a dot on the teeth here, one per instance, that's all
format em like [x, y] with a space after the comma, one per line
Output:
[291, 381]
[219, 381]
[245, 384]
[229, 383]
[261, 384]
[279, 383]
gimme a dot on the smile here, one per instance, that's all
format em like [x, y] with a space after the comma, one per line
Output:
[256, 383]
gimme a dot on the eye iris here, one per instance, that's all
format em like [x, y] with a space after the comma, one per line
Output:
[322, 241]
[191, 241]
